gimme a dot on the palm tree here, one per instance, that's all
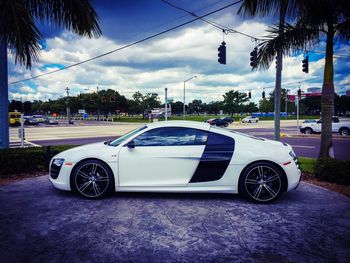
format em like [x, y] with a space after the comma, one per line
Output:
[19, 34]
[317, 20]
[281, 8]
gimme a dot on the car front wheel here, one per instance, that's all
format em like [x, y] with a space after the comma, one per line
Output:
[262, 182]
[92, 179]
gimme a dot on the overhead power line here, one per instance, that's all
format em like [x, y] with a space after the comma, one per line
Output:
[230, 30]
[214, 24]
[128, 45]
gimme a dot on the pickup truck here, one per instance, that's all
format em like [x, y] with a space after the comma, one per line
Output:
[341, 127]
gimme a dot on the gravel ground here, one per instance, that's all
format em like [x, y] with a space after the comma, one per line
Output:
[41, 224]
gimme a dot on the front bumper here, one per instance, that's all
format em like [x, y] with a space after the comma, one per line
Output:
[62, 180]
[293, 173]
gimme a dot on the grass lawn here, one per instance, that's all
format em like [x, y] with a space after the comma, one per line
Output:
[307, 164]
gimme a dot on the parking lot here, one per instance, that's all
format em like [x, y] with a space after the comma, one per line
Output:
[41, 224]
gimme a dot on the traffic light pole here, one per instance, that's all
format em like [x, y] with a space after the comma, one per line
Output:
[166, 104]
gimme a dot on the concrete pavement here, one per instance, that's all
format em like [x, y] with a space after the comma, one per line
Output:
[41, 224]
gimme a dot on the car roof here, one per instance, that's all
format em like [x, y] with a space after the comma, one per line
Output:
[187, 124]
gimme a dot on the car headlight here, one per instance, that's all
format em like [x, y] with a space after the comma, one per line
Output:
[292, 154]
[58, 162]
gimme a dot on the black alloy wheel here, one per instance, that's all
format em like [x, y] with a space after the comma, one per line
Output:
[92, 179]
[262, 182]
[308, 131]
[344, 131]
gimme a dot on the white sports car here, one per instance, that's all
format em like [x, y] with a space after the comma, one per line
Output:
[179, 156]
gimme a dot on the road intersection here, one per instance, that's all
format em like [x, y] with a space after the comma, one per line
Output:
[83, 132]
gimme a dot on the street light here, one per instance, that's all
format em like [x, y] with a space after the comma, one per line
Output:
[184, 109]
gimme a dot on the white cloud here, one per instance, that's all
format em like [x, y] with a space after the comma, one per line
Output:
[151, 66]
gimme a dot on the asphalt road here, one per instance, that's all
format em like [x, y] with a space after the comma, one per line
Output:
[83, 132]
[308, 146]
[41, 224]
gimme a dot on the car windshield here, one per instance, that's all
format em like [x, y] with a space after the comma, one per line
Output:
[118, 141]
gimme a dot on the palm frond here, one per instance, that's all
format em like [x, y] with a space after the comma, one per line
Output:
[343, 32]
[19, 32]
[251, 8]
[75, 15]
[299, 36]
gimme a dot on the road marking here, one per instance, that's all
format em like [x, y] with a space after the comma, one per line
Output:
[303, 146]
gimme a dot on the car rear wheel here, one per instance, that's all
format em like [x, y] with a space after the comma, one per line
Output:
[308, 131]
[226, 124]
[344, 131]
[92, 179]
[262, 182]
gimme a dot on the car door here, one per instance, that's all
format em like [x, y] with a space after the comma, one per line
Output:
[166, 156]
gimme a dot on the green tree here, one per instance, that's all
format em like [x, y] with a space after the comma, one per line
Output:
[196, 106]
[20, 34]
[316, 20]
[233, 101]
[265, 105]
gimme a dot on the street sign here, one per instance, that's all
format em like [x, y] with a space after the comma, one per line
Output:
[81, 111]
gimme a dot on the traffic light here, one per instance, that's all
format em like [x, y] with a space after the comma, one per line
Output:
[299, 93]
[263, 94]
[254, 58]
[103, 98]
[222, 53]
[249, 95]
[112, 99]
[306, 64]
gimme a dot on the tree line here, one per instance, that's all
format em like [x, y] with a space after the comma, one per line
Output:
[112, 102]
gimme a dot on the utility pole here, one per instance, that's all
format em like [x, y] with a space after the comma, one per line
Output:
[67, 102]
[98, 104]
[286, 104]
[166, 104]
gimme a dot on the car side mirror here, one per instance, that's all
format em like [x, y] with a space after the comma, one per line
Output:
[319, 121]
[130, 144]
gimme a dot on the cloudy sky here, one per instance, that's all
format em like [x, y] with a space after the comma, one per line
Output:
[167, 60]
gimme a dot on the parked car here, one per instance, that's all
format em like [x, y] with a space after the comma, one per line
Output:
[39, 118]
[227, 119]
[309, 120]
[341, 127]
[250, 119]
[51, 121]
[31, 121]
[179, 156]
[218, 122]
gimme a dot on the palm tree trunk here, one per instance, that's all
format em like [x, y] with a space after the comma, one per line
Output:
[277, 101]
[327, 106]
[4, 118]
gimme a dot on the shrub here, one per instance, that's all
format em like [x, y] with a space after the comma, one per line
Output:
[333, 170]
[22, 160]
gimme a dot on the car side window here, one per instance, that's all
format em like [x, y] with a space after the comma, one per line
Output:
[171, 136]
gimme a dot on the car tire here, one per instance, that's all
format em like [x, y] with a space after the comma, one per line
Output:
[226, 124]
[308, 131]
[92, 179]
[262, 182]
[344, 131]
[250, 121]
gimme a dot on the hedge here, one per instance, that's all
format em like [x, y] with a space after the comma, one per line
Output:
[333, 170]
[23, 160]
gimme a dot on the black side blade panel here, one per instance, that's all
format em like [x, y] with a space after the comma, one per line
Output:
[215, 159]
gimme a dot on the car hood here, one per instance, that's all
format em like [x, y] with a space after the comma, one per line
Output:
[99, 150]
